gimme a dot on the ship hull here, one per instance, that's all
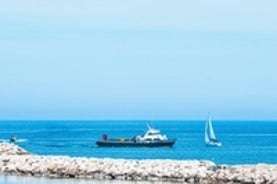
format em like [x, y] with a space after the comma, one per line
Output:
[128, 143]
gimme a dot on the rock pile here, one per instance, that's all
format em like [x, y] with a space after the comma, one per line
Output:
[252, 174]
[66, 167]
[11, 149]
[137, 170]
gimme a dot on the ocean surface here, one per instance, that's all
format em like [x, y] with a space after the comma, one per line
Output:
[244, 142]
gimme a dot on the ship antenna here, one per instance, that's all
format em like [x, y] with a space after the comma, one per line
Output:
[149, 127]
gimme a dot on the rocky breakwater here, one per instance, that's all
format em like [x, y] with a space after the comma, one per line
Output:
[15, 160]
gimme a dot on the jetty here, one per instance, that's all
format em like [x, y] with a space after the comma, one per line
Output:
[15, 160]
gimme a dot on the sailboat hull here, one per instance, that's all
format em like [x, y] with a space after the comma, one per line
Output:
[214, 144]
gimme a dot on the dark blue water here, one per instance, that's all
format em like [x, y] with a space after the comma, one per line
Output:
[244, 142]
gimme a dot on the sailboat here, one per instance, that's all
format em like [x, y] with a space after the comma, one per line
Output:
[210, 138]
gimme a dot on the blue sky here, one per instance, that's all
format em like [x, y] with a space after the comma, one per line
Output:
[138, 59]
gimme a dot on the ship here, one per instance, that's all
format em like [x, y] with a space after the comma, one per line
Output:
[151, 138]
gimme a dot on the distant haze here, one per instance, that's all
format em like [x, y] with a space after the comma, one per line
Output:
[138, 59]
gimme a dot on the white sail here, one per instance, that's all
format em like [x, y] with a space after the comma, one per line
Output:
[211, 130]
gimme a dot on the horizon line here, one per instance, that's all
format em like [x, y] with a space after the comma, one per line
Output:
[214, 119]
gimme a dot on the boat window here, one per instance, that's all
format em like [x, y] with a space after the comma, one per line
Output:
[153, 133]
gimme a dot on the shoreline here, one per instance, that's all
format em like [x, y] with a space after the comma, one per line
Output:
[17, 161]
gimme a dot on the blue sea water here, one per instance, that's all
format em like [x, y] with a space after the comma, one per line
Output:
[244, 142]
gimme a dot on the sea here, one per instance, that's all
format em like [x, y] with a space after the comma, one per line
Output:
[243, 142]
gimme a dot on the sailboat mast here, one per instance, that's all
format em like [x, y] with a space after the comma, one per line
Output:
[207, 131]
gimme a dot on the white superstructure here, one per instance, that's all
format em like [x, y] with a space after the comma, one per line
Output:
[151, 135]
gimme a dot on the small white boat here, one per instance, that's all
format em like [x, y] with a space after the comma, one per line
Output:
[210, 138]
[13, 138]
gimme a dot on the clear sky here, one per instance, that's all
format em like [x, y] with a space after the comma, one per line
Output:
[139, 59]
